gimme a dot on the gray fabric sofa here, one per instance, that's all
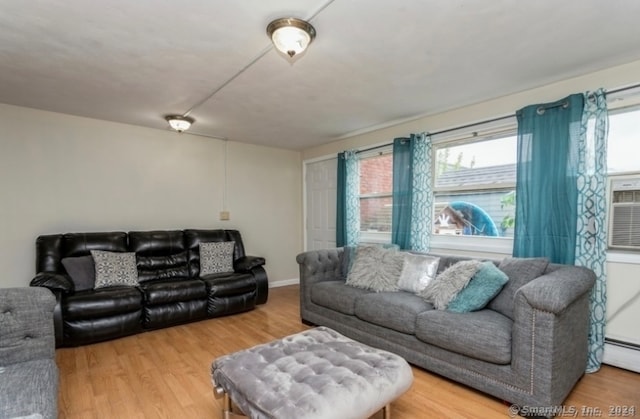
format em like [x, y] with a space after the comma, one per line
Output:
[531, 356]
[28, 371]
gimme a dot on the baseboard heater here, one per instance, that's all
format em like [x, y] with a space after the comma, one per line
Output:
[622, 354]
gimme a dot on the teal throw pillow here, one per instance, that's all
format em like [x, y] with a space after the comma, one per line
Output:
[482, 288]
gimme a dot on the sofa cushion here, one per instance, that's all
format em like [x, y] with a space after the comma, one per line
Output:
[448, 283]
[81, 270]
[336, 295]
[376, 269]
[417, 272]
[520, 271]
[162, 292]
[483, 335]
[101, 302]
[115, 268]
[216, 257]
[484, 285]
[399, 313]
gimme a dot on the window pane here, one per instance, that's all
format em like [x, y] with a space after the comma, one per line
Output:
[376, 182]
[475, 187]
[624, 142]
[486, 162]
[480, 213]
[375, 214]
[376, 175]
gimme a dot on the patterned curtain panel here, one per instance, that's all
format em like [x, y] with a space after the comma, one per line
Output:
[546, 187]
[412, 197]
[347, 201]
[591, 237]
[422, 202]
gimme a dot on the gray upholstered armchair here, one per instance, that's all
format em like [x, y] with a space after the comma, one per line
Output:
[28, 371]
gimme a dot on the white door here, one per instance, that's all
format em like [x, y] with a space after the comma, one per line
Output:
[320, 202]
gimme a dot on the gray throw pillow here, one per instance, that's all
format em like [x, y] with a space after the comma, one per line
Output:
[449, 283]
[115, 269]
[520, 272]
[376, 269]
[417, 272]
[81, 270]
[216, 257]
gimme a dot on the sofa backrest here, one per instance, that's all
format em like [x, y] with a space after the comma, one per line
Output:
[193, 238]
[160, 254]
[51, 249]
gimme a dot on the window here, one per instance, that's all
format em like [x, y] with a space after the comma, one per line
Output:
[376, 182]
[474, 179]
[474, 186]
[623, 141]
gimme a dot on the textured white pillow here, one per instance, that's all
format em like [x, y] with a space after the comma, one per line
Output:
[115, 269]
[449, 283]
[418, 271]
[216, 257]
[376, 269]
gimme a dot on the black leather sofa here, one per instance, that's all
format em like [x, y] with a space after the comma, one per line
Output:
[171, 290]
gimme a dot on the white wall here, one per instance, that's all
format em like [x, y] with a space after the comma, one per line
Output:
[61, 173]
[623, 278]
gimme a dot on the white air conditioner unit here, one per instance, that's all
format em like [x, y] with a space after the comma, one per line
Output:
[624, 212]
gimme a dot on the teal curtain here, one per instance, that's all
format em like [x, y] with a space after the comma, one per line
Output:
[402, 193]
[561, 193]
[591, 239]
[347, 201]
[546, 189]
[412, 198]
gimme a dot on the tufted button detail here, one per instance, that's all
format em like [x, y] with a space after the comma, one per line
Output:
[313, 368]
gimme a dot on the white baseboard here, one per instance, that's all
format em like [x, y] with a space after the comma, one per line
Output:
[622, 357]
[284, 282]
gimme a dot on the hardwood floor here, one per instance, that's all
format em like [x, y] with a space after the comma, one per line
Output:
[166, 373]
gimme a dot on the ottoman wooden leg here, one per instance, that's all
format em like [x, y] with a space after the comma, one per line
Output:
[386, 411]
[227, 404]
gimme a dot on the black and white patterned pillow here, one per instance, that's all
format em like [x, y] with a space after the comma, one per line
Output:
[115, 268]
[216, 257]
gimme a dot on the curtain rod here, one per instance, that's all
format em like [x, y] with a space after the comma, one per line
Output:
[444, 131]
[488, 121]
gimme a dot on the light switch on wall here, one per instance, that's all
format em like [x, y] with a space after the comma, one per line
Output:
[224, 216]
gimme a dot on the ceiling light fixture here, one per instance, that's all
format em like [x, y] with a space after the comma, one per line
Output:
[291, 36]
[179, 123]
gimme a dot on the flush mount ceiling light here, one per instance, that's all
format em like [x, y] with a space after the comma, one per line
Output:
[291, 36]
[179, 123]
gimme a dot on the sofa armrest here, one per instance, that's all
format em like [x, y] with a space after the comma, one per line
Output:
[320, 265]
[247, 263]
[26, 324]
[53, 281]
[550, 333]
[555, 291]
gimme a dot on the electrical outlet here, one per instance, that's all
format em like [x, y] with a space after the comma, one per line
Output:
[224, 216]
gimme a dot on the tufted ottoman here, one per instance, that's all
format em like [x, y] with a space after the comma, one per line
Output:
[316, 374]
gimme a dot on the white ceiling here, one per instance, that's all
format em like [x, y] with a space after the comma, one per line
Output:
[373, 61]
